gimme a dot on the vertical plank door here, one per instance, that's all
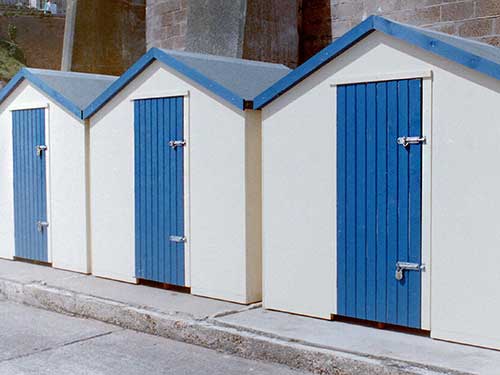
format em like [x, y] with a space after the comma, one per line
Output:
[30, 187]
[379, 201]
[159, 190]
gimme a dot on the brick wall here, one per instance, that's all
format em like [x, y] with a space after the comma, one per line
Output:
[40, 38]
[264, 30]
[476, 19]
[109, 35]
[315, 27]
[271, 31]
[166, 22]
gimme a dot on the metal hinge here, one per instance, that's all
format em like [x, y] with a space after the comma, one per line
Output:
[179, 239]
[405, 266]
[175, 144]
[40, 149]
[41, 225]
[406, 141]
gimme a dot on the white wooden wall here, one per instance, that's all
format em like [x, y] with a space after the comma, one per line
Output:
[222, 248]
[66, 198]
[299, 187]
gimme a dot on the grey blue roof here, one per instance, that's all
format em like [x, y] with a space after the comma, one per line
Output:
[246, 78]
[237, 81]
[478, 56]
[74, 91]
[79, 88]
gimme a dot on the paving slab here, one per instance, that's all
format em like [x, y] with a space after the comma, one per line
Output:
[29, 273]
[369, 341]
[137, 295]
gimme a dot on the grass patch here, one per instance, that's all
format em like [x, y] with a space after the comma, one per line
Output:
[9, 65]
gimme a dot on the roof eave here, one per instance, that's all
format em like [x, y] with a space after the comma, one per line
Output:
[33, 79]
[156, 54]
[396, 30]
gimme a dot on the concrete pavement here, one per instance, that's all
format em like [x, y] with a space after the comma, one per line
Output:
[247, 331]
[34, 341]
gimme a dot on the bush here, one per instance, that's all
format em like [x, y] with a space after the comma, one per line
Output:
[12, 32]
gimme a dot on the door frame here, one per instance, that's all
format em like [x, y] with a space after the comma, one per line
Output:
[187, 168]
[48, 169]
[427, 129]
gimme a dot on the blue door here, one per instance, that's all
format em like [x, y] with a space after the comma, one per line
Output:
[159, 190]
[379, 201]
[30, 189]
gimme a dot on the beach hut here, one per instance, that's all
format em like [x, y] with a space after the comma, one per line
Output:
[43, 167]
[175, 174]
[380, 194]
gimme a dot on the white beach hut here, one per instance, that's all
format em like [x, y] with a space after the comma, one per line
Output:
[380, 194]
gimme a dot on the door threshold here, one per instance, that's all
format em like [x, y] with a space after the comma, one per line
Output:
[33, 261]
[165, 286]
[380, 325]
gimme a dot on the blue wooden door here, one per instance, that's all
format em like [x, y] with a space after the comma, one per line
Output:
[379, 201]
[159, 190]
[30, 188]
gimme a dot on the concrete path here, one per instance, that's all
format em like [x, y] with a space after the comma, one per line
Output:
[247, 331]
[34, 341]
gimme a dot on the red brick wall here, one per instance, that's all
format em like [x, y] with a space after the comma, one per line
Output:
[271, 31]
[477, 19]
[315, 28]
[40, 38]
[109, 36]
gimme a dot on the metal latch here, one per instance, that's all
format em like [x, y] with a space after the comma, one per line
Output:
[179, 239]
[175, 144]
[406, 141]
[41, 224]
[40, 149]
[405, 266]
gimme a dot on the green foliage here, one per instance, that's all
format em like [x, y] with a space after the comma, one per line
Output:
[9, 65]
[12, 32]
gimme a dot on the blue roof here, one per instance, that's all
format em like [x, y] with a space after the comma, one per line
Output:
[74, 91]
[478, 56]
[237, 81]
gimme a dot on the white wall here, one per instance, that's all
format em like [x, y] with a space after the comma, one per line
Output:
[216, 205]
[66, 200]
[299, 208]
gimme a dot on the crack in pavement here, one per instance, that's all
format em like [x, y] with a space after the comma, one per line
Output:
[26, 355]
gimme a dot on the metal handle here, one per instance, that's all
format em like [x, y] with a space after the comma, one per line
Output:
[406, 141]
[40, 149]
[175, 144]
[41, 225]
[179, 239]
[405, 266]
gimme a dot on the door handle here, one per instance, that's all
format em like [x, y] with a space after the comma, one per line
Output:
[178, 239]
[405, 266]
[175, 144]
[406, 141]
[41, 225]
[40, 149]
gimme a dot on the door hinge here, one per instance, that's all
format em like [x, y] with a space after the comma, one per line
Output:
[41, 225]
[175, 144]
[406, 141]
[40, 149]
[178, 239]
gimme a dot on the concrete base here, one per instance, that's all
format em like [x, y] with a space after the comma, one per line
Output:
[250, 332]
